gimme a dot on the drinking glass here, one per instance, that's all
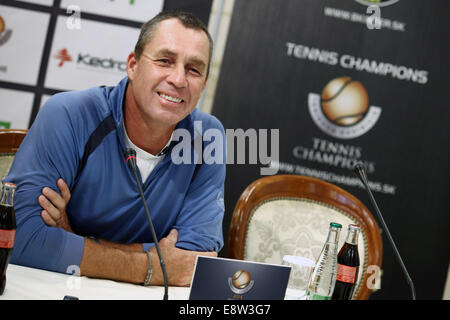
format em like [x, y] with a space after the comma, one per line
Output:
[301, 269]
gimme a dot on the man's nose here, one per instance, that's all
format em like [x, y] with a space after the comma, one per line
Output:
[177, 76]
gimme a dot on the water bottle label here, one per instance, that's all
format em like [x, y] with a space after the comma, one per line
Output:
[7, 238]
[319, 297]
[346, 273]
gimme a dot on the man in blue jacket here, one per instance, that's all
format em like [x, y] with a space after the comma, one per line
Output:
[96, 220]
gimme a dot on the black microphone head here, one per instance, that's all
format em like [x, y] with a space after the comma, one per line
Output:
[130, 156]
[360, 171]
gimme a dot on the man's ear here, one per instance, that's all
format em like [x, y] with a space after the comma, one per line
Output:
[131, 65]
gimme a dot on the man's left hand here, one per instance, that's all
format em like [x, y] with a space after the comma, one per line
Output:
[54, 205]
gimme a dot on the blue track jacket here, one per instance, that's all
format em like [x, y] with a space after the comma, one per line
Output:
[78, 136]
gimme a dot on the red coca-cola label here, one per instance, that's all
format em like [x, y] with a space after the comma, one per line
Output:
[346, 273]
[7, 238]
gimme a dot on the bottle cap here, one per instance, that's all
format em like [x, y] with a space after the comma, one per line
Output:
[336, 225]
[9, 184]
[354, 227]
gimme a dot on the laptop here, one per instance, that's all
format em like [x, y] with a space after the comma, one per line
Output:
[229, 279]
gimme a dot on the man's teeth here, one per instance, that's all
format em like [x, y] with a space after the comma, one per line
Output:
[173, 99]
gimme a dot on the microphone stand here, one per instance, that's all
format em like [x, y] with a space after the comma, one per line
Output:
[132, 154]
[361, 173]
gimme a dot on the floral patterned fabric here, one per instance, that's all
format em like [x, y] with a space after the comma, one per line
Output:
[6, 160]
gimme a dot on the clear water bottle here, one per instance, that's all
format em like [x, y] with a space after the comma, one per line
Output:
[323, 279]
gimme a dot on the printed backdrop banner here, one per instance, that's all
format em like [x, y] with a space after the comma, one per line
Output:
[342, 90]
[68, 45]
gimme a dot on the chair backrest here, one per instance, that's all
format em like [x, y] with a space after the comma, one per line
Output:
[10, 140]
[290, 215]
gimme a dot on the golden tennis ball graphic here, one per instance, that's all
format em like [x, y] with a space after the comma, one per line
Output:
[344, 101]
[241, 279]
[2, 25]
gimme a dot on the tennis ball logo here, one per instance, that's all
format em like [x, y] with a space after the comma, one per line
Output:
[344, 101]
[380, 3]
[2, 25]
[241, 282]
[241, 279]
[5, 34]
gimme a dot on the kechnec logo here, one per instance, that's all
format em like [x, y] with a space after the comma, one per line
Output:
[5, 34]
[380, 3]
[87, 61]
[342, 110]
[241, 282]
[63, 56]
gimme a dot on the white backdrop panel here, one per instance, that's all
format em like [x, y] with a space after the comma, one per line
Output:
[97, 52]
[21, 52]
[136, 10]
[15, 108]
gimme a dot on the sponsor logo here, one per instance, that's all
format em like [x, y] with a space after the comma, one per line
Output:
[63, 56]
[131, 1]
[101, 63]
[5, 34]
[380, 3]
[342, 110]
[87, 61]
[241, 282]
[5, 125]
[372, 19]
[361, 64]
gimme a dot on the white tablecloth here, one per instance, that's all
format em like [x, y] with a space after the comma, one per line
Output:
[23, 283]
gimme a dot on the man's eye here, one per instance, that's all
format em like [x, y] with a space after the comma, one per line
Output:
[195, 71]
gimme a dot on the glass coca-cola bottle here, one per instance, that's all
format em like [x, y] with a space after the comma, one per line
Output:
[7, 229]
[348, 266]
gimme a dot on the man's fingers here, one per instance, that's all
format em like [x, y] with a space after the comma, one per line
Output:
[64, 189]
[49, 208]
[173, 236]
[204, 253]
[54, 198]
[48, 219]
[211, 254]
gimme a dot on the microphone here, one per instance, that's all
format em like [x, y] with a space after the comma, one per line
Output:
[130, 155]
[361, 173]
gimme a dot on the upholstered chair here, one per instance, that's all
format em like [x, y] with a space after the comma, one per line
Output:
[290, 215]
[10, 140]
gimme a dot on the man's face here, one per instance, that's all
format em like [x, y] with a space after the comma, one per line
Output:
[169, 77]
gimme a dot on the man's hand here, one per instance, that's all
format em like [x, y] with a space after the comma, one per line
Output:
[54, 205]
[179, 263]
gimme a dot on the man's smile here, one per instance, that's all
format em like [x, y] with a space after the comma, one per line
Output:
[170, 98]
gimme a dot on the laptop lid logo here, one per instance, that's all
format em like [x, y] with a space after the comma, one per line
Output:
[241, 282]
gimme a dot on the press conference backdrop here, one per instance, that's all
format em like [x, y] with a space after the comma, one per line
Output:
[341, 91]
[49, 46]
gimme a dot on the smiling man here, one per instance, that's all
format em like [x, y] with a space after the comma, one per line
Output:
[77, 202]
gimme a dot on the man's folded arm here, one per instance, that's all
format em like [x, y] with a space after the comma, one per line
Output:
[48, 152]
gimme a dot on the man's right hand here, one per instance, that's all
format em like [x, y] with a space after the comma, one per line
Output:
[179, 263]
